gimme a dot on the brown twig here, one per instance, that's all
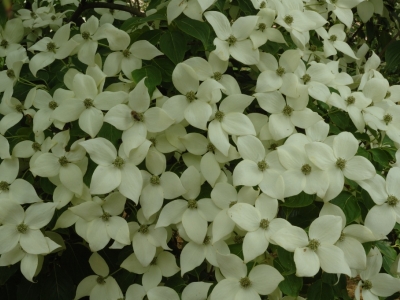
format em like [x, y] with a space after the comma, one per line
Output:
[91, 5]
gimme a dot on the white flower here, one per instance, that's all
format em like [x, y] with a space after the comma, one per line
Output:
[334, 40]
[191, 8]
[10, 36]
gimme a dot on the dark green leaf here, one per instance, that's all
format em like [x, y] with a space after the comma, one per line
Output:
[363, 152]
[165, 66]
[7, 272]
[386, 250]
[271, 47]
[152, 36]
[320, 290]
[153, 4]
[236, 249]
[153, 75]
[381, 156]
[124, 279]
[305, 215]
[392, 56]
[176, 282]
[134, 21]
[340, 119]
[110, 133]
[47, 186]
[286, 259]
[348, 203]
[292, 285]
[173, 45]
[57, 286]
[27, 290]
[387, 263]
[247, 7]
[220, 4]
[300, 200]
[75, 260]
[194, 28]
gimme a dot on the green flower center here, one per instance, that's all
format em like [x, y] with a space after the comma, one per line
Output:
[238, 239]
[4, 44]
[4, 186]
[192, 204]
[143, 229]
[217, 76]
[36, 146]
[63, 161]
[245, 282]
[207, 240]
[10, 73]
[22, 228]
[19, 108]
[388, 94]
[53, 105]
[367, 285]
[317, 58]
[153, 141]
[231, 40]
[306, 169]
[333, 38]
[100, 280]
[342, 237]
[126, 53]
[306, 78]
[313, 48]
[155, 180]
[219, 116]
[112, 11]
[118, 162]
[85, 35]
[53, 18]
[51, 47]
[280, 71]
[106, 216]
[263, 4]
[191, 96]
[262, 27]
[313, 245]
[88, 103]
[350, 100]
[33, 15]
[273, 146]
[262, 165]
[211, 147]
[264, 224]
[232, 203]
[392, 200]
[288, 19]
[387, 118]
[341, 163]
[137, 116]
[287, 111]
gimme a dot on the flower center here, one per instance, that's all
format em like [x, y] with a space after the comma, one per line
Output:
[105, 217]
[100, 280]
[262, 27]
[350, 100]
[245, 282]
[231, 40]
[22, 228]
[367, 285]
[207, 240]
[10, 73]
[4, 44]
[153, 141]
[53, 105]
[333, 38]
[51, 47]
[342, 237]
[192, 204]
[306, 78]
[341, 163]
[143, 229]
[36, 146]
[219, 116]
[232, 203]
[280, 71]
[217, 76]
[118, 162]
[211, 147]
[263, 4]
[387, 118]
[53, 18]
[88, 103]
[19, 108]
[288, 19]
[262, 165]
[63, 161]
[392, 200]
[238, 239]
[287, 111]
[273, 146]
[126, 53]
[306, 169]
[388, 94]
[191, 96]
[4, 186]
[313, 48]
[155, 180]
[137, 116]
[85, 35]
[313, 245]
[317, 58]
[264, 224]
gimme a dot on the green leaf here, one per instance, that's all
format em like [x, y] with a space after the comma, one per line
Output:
[124, 279]
[194, 28]
[220, 5]
[247, 7]
[47, 185]
[152, 36]
[27, 290]
[110, 133]
[165, 66]
[176, 282]
[302, 217]
[173, 45]
[348, 203]
[386, 250]
[292, 285]
[340, 119]
[153, 75]
[320, 290]
[75, 260]
[7, 272]
[236, 249]
[300, 200]
[392, 56]
[286, 259]
[381, 156]
[57, 286]
[135, 21]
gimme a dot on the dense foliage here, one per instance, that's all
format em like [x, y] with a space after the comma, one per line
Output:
[200, 149]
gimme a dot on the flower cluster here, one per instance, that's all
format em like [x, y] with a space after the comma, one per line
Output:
[254, 160]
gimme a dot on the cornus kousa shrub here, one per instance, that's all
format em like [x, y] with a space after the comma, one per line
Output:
[200, 149]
